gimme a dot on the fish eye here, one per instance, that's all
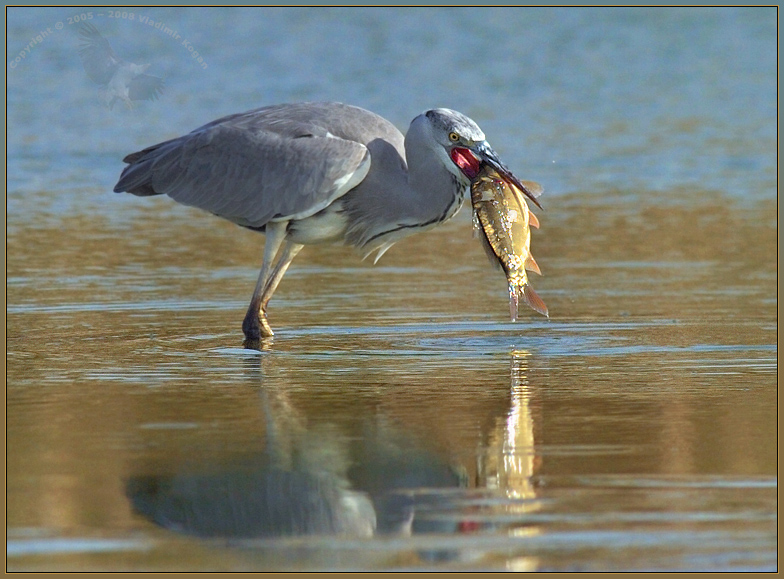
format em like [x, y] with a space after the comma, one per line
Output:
[454, 137]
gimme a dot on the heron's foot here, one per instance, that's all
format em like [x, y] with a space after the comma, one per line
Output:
[256, 329]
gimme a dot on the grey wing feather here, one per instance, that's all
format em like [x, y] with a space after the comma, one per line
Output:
[98, 58]
[248, 176]
[145, 87]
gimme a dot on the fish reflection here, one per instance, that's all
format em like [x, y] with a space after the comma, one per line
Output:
[308, 481]
[510, 462]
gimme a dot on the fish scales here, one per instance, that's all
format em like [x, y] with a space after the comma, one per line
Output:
[502, 217]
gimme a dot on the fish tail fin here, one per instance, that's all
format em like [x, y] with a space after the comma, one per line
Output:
[532, 299]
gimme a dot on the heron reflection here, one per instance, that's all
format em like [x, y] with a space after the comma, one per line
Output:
[318, 476]
[307, 481]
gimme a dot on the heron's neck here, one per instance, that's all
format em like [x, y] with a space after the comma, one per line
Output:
[435, 193]
[392, 203]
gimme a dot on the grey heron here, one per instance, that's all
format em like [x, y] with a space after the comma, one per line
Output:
[313, 173]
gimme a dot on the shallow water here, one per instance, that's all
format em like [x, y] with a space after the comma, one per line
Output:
[399, 420]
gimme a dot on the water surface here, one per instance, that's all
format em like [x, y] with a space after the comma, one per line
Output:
[399, 420]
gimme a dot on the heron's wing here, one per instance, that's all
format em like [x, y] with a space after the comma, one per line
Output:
[249, 175]
[145, 87]
[98, 58]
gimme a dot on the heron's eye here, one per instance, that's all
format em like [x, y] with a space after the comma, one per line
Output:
[454, 137]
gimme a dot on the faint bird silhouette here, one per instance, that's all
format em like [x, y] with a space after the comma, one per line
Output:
[119, 80]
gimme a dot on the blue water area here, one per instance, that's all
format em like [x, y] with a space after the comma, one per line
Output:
[635, 100]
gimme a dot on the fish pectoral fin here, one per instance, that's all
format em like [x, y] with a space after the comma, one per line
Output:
[533, 300]
[531, 265]
[533, 221]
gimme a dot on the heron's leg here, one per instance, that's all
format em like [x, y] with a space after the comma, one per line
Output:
[290, 251]
[255, 324]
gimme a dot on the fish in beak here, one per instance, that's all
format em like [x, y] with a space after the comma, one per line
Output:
[487, 156]
[471, 160]
[503, 221]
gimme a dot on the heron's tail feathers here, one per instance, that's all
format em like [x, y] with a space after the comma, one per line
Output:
[136, 178]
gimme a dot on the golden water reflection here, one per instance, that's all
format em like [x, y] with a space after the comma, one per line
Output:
[511, 458]
[124, 361]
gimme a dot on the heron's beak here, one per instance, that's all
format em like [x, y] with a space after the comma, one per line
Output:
[486, 154]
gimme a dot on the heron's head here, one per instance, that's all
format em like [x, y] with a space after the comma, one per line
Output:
[462, 147]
